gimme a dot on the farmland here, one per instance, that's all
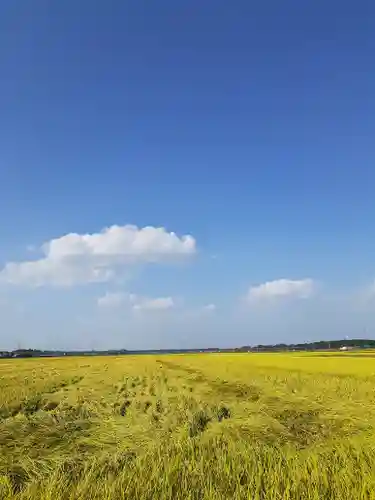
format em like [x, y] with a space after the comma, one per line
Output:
[209, 426]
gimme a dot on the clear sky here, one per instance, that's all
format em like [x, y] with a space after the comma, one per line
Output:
[186, 173]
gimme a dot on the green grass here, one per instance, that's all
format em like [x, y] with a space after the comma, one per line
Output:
[210, 426]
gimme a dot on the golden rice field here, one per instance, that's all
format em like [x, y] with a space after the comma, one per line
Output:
[205, 426]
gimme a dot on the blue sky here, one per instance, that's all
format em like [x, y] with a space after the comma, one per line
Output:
[245, 130]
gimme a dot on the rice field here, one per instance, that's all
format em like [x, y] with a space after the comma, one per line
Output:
[203, 426]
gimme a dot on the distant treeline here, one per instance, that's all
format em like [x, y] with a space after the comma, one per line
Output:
[37, 353]
[322, 345]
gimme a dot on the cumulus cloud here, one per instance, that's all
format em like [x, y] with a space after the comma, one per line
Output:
[209, 308]
[112, 299]
[282, 288]
[135, 302]
[86, 258]
[151, 304]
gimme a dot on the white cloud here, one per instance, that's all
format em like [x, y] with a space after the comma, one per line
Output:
[282, 288]
[135, 302]
[86, 258]
[151, 304]
[112, 299]
[209, 308]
